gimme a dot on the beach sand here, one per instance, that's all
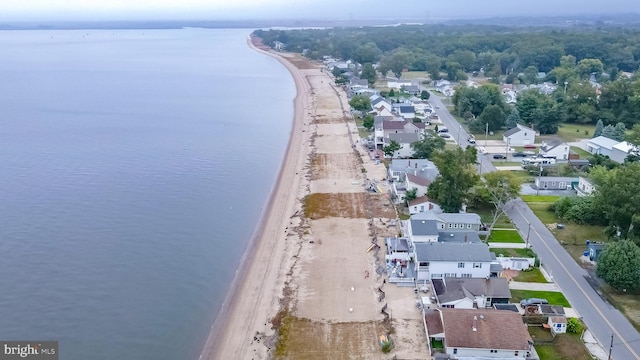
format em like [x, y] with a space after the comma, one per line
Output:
[311, 273]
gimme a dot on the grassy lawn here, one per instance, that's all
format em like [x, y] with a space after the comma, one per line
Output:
[486, 216]
[628, 303]
[525, 253]
[565, 346]
[554, 297]
[505, 236]
[497, 162]
[410, 75]
[480, 136]
[533, 275]
[437, 344]
[572, 234]
[540, 198]
[364, 133]
[583, 154]
[524, 176]
[572, 132]
[450, 146]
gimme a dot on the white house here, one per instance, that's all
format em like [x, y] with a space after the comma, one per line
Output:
[435, 260]
[585, 187]
[398, 84]
[601, 145]
[399, 168]
[465, 293]
[519, 136]
[557, 150]
[486, 334]
[404, 140]
[423, 204]
[424, 228]
[555, 182]
[620, 151]
[377, 101]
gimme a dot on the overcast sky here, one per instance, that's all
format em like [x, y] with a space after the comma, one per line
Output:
[287, 9]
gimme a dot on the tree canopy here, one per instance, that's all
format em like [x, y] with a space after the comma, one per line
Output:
[429, 146]
[619, 265]
[360, 103]
[457, 177]
[619, 195]
[499, 188]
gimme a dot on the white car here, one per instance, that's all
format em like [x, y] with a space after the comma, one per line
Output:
[481, 150]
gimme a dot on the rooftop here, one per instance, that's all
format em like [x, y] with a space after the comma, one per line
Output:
[393, 125]
[418, 179]
[450, 289]
[397, 244]
[434, 321]
[459, 236]
[461, 218]
[420, 200]
[493, 329]
[604, 142]
[404, 138]
[452, 251]
[424, 227]
[517, 129]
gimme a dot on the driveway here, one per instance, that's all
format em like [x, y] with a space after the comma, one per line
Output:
[527, 189]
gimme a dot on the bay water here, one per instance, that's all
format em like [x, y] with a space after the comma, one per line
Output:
[134, 167]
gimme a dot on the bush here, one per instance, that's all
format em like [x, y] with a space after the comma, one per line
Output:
[574, 326]
[579, 210]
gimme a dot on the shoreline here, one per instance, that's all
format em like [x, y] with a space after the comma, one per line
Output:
[249, 303]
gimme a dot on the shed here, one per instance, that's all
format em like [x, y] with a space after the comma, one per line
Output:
[595, 249]
[558, 324]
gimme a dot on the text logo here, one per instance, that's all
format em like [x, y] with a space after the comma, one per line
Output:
[31, 350]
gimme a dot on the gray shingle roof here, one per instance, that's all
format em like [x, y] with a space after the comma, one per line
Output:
[424, 227]
[450, 289]
[511, 131]
[450, 251]
[404, 138]
[415, 164]
[393, 125]
[398, 244]
[459, 236]
[461, 218]
[422, 181]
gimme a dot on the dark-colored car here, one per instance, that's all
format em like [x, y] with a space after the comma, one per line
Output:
[519, 154]
[532, 301]
[499, 156]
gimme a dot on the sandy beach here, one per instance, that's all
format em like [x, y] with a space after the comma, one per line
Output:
[308, 271]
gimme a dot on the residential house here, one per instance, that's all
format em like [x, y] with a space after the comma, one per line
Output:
[400, 167]
[278, 46]
[421, 107]
[357, 84]
[556, 183]
[404, 140]
[620, 151]
[435, 260]
[411, 89]
[431, 226]
[433, 324]
[421, 184]
[424, 228]
[519, 136]
[377, 101]
[398, 84]
[557, 150]
[465, 293]
[422, 204]
[486, 334]
[379, 128]
[557, 324]
[398, 249]
[459, 237]
[407, 111]
[601, 145]
[461, 221]
[585, 187]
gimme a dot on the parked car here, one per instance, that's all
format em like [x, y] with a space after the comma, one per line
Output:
[532, 301]
[437, 107]
[444, 135]
[472, 141]
[529, 146]
[499, 156]
[443, 130]
[529, 152]
[519, 154]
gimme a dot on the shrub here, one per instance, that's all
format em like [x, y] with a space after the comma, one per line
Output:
[574, 326]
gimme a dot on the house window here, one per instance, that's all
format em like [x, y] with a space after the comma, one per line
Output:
[436, 276]
[455, 351]
[449, 226]
[460, 265]
[448, 306]
[477, 265]
[424, 264]
[516, 353]
[468, 226]
[466, 275]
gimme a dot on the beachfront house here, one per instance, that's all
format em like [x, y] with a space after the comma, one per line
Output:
[422, 204]
[470, 293]
[436, 260]
[519, 136]
[404, 140]
[378, 101]
[422, 172]
[486, 334]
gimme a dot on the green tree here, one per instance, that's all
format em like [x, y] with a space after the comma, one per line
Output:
[619, 132]
[619, 265]
[424, 95]
[433, 66]
[390, 149]
[501, 187]
[360, 103]
[586, 67]
[599, 128]
[367, 122]
[531, 74]
[513, 119]
[427, 147]
[539, 111]
[457, 177]
[574, 326]
[619, 193]
[494, 116]
[369, 73]
[410, 195]
[367, 53]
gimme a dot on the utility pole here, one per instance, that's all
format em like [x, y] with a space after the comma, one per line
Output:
[538, 185]
[528, 233]
[486, 135]
[459, 131]
[611, 347]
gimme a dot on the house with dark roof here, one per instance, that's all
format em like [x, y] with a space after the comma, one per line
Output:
[486, 334]
[436, 260]
[519, 136]
[409, 174]
[470, 293]
[407, 111]
[378, 101]
[557, 150]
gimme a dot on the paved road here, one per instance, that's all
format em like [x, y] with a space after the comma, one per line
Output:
[602, 319]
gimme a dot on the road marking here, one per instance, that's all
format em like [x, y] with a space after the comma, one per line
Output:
[580, 287]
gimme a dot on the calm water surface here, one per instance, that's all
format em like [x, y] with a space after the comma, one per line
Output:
[134, 165]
